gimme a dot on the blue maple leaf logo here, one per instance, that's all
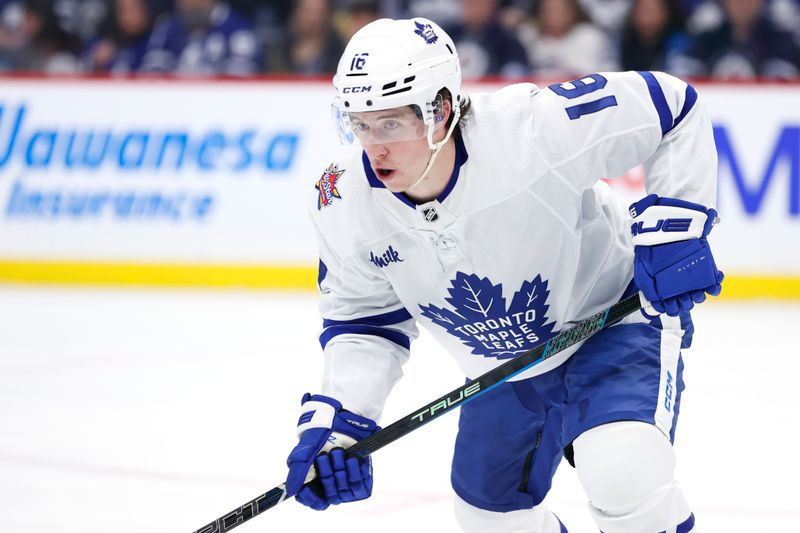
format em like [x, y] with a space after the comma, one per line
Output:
[426, 32]
[481, 320]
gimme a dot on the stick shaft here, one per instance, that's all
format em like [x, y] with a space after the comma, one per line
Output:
[496, 376]
[242, 514]
[445, 404]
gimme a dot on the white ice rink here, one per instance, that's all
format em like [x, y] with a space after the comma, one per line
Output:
[157, 411]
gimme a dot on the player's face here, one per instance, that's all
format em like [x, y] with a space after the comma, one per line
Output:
[398, 124]
[399, 165]
[396, 144]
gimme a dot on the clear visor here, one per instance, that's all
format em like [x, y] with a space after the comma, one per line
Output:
[398, 124]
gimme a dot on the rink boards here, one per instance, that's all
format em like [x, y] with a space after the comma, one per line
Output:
[207, 183]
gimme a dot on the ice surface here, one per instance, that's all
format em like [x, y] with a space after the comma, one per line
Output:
[158, 411]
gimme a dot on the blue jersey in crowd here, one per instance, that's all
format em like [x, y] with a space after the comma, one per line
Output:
[226, 45]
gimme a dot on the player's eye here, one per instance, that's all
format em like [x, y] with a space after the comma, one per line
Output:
[359, 126]
[392, 125]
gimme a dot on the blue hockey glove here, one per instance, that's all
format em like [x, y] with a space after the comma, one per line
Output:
[325, 429]
[673, 265]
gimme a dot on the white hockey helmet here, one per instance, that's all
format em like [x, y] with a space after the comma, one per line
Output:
[395, 63]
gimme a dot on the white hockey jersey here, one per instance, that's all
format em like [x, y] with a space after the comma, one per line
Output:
[524, 240]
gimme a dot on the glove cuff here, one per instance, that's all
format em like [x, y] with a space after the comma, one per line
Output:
[317, 411]
[665, 220]
[353, 425]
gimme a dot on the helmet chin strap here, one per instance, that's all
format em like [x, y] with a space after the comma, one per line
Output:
[436, 148]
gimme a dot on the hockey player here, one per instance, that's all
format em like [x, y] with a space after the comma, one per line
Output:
[482, 218]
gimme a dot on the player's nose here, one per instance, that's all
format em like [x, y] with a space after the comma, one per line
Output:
[376, 152]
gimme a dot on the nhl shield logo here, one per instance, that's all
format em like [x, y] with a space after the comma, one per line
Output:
[426, 32]
[327, 186]
[430, 214]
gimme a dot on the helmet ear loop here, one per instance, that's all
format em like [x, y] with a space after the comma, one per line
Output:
[437, 115]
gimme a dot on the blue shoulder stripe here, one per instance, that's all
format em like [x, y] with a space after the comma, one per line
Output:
[659, 101]
[391, 335]
[385, 319]
[688, 104]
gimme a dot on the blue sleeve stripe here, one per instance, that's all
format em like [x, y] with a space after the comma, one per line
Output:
[321, 273]
[386, 319]
[358, 329]
[657, 96]
[688, 104]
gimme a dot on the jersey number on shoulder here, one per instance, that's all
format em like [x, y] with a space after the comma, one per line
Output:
[585, 85]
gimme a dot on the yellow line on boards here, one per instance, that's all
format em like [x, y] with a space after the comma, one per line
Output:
[289, 277]
[761, 287]
[159, 275]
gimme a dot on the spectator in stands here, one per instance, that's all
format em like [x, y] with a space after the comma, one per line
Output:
[33, 41]
[607, 14]
[312, 46]
[78, 20]
[270, 19]
[13, 34]
[444, 12]
[653, 32]
[203, 37]
[485, 47]
[704, 15]
[745, 45]
[123, 46]
[562, 42]
[356, 14]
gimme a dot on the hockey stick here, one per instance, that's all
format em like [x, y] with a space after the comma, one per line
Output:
[438, 407]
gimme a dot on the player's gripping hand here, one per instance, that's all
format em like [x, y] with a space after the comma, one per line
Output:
[673, 265]
[325, 430]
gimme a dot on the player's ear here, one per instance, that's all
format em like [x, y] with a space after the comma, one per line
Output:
[442, 110]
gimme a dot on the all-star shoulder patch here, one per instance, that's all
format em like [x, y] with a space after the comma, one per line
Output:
[327, 186]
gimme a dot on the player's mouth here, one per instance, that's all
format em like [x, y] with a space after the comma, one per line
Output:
[384, 173]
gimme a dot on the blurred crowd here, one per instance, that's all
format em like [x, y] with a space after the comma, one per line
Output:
[721, 39]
